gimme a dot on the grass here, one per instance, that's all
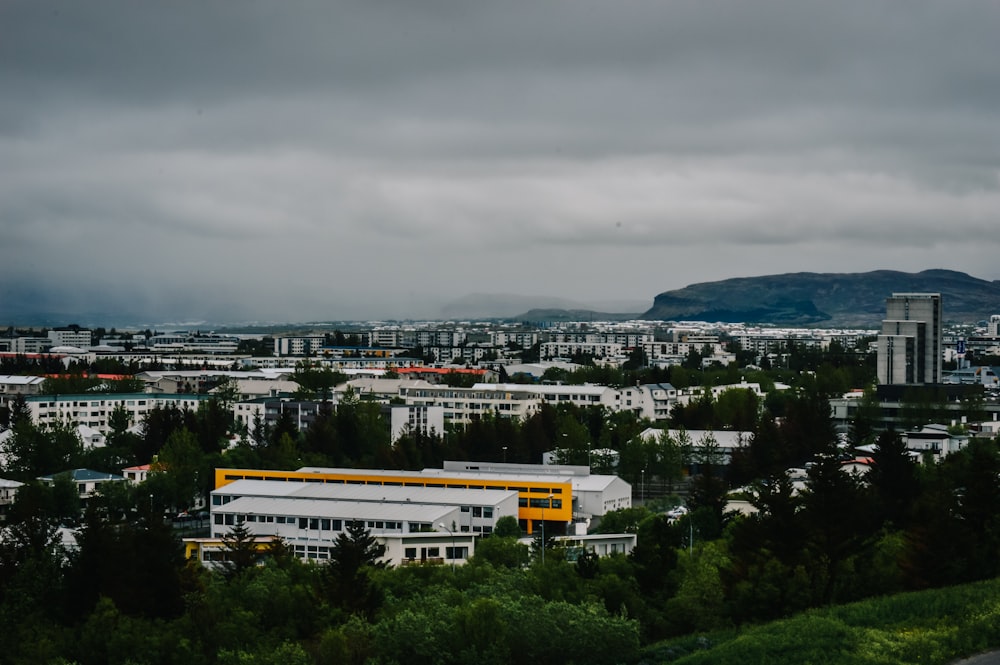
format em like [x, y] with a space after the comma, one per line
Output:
[934, 627]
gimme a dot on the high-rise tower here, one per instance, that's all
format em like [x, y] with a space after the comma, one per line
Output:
[909, 346]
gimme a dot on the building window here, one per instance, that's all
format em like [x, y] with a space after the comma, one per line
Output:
[456, 553]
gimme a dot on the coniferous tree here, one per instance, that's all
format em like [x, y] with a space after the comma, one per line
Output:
[893, 476]
[241, 552]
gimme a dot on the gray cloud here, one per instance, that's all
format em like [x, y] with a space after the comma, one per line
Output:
[324, 160]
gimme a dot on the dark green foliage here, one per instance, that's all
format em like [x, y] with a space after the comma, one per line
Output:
[893, 477]
[240, 551]
[354, 556]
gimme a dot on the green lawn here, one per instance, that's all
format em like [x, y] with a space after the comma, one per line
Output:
[936, 626]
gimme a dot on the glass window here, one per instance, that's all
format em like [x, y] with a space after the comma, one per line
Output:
[488, 512]
[477, 511]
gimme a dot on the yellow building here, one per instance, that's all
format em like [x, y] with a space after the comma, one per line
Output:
[540, 498]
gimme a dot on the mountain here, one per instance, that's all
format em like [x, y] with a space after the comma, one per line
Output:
[509, 306]
[556, 315]
[828, 299]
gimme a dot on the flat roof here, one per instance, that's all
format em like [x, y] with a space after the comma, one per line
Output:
[467, 476]
[366, 493]
[366, 510]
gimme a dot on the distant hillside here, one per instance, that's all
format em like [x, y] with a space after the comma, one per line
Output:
[518, 307]
[553, 315]
[832, 299]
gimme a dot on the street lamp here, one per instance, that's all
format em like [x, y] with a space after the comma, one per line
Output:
[453, 548]
[505, 454]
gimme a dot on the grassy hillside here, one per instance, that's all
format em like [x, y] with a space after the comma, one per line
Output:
[824, 298]
[936, 626]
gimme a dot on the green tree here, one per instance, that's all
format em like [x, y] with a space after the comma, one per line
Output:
[502, 552]
[183, 466]
[507, 527]
[355, 553]
[893, 476]
[316, 382]
[241, 554]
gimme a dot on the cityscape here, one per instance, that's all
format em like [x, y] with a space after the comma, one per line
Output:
[426, 443]
[558, 333]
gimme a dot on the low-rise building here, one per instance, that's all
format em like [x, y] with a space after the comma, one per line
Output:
[87, 481]
[8, 493]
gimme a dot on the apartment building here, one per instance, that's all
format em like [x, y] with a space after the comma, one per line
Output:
[910, 341]
[93, 409]
[70, 337]
[300, 345]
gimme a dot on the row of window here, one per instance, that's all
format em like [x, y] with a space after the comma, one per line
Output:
[450, 553]
[479, 511]
[523, 502]
[315, 523]
[221, 499]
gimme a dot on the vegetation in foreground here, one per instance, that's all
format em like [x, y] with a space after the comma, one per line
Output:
[936, 626]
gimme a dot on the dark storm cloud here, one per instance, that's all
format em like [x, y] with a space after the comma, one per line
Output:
[304, 157]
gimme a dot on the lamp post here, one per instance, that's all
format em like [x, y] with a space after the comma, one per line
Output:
[642, 487]
[505, 454]
[453, 548]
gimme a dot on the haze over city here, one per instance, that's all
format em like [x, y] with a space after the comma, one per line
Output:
[303, 160]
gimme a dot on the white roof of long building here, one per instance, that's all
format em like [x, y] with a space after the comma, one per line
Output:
[362, 510]
[579, 482]
[20, 380]
[468, 476]
[365, 493]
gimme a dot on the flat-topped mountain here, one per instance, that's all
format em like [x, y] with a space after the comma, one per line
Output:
[827, 299]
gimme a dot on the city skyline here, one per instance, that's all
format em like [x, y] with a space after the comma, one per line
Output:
[352, 160]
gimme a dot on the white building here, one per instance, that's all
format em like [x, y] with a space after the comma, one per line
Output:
[302, 345]
[26, 345]
[13, 385]
[8, 492]
[310, 516]
[87, 481]
[652, 401]
[70, 337]
[404, 418]
[593, 494]
[704, 442]
[94, 409]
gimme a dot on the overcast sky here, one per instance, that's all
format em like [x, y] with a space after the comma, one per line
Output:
[326, 160]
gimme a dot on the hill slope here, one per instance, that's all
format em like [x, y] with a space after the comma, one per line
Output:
[831, 299]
